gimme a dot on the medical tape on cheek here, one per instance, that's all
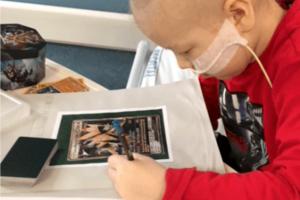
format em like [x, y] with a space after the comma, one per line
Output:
[226, 44]
[223, 45]
[261, 66]
[218, 64]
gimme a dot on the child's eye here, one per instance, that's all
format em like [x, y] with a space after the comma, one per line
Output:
[186, 52]
[183, 61]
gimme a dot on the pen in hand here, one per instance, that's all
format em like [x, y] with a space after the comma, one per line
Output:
[120, 131]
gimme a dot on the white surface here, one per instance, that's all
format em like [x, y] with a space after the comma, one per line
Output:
[56, 72]
[54, 198]
[12, 111]
[75, 26]
[192, 138]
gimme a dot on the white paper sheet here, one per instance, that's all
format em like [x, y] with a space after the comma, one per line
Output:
[191, 134]
[166, 132]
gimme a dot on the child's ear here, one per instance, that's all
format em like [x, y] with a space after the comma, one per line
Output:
[240, 13]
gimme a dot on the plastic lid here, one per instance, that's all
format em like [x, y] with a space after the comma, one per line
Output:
[12, 110]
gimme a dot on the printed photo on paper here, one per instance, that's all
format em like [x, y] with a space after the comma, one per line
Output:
[92, 137]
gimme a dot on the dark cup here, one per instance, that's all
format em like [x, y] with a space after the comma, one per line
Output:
[23, 53]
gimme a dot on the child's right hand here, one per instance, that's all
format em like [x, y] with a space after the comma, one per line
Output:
[142, 178]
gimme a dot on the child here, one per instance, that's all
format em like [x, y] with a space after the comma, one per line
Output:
[250, 49]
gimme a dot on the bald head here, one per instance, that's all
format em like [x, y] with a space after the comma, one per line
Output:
[185, 13]
[163, 18]
[178, 9]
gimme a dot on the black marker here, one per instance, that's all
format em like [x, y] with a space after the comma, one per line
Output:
[120, 131]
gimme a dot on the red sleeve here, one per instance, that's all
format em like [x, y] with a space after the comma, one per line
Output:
[279, 180]
[210, 90]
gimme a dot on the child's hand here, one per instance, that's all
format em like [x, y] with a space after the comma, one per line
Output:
[142, 178]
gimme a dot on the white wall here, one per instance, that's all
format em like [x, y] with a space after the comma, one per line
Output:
[75, 26]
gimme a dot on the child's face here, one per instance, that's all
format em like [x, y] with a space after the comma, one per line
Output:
[179, 27]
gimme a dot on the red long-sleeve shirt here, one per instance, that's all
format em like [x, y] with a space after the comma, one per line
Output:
[247, 100]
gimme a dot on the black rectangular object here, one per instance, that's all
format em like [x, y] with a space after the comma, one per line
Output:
[27, 157]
